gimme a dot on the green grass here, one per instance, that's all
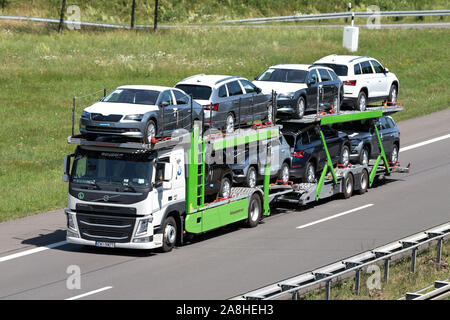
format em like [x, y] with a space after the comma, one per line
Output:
[41, 71]
[182, 11]
[401, 279]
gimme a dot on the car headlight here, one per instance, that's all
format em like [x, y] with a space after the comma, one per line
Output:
[289, 95]
[134, 117]
[143, 226]
[85, 115]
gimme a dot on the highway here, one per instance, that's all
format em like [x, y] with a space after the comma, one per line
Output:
[225, 263]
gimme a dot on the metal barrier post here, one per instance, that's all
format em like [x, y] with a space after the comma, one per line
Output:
[104, 92]
[386, 269]
[327, 290]
[413, 259]
[357, 281]
[439, 250]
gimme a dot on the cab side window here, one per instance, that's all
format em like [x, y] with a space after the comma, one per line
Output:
[180, 97]
[366, 67]
[166, 97]
[313, 77]
[324, 75]
[234, 88]
[248, 86]
[377, 67]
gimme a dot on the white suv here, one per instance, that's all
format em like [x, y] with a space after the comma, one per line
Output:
[365, 79]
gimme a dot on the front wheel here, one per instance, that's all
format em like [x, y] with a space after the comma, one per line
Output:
[150, 132]
[251, 177]
[300, 108]
[345, 155]
[254, 211]
[284, 173]
[225, 188]
[364, 156]
[169, 234]
[393, 93]
[361, 103]
[229, 123]
[271, 113]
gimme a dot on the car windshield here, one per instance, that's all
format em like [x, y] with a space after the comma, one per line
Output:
[135, 96]
[339, 69]
[111, 168]
[354, 126]
[283, 75]
[197, 92]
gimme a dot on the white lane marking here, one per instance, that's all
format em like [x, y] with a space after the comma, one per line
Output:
[89, 293]
[31, 251]
[423, 143]
[335, 216]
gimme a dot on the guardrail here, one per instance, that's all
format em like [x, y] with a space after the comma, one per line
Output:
[440, 292]
[340, 15]
[308, 281]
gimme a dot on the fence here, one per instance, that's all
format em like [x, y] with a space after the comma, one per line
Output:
[306, 282]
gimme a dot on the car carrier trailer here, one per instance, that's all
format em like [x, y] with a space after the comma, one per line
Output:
[162, 215]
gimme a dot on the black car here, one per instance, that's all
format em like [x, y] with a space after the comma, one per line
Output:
[364, 143]
[298, 88]
[308, 154]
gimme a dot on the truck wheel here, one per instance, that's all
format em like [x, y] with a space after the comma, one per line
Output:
[250, 181]
[169, 234]
[363, 182]
[361, 103]
[348, 186]
[300, 108]
[254, 211]
[150, 132]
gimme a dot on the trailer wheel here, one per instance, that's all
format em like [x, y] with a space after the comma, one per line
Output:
[169, 234]
[254, 211]
[348, 186]
[363, 182]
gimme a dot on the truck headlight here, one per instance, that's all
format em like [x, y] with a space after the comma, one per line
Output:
[143, 226]
[71, 221]
[134, 117]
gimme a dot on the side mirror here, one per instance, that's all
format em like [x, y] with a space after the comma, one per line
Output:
[165, 104]
[258, 90]
[256, 78]
[101, 99]
[65, 176]
[386, 70]
[310, 82]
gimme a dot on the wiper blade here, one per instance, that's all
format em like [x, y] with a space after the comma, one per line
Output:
[129, 189]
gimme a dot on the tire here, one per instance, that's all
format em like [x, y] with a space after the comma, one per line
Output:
[348, 186]
[344, 158]
[254, 211]
[283, 174]
[310, 173]
[271, 113]
[229, 123]
[361, 102]
[225, 188]
[251, 179]
[393, 93]
[363, 182]
[169, 234]
[150, 132]
[364, 156]
[300, 108]
[393, 156]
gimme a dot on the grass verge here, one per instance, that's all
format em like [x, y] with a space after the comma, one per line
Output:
[41, 71]
[401, 279]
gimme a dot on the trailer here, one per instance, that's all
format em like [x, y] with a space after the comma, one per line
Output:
[164, 201]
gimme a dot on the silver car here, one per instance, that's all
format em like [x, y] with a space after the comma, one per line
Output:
[228, 101]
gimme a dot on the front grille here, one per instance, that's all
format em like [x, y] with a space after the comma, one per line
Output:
[109, 118]
[105, 228]
[110, 210]
[106, 129]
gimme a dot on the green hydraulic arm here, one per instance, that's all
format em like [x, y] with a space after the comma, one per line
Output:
[328, 165]
[382, 155]
[195, 187]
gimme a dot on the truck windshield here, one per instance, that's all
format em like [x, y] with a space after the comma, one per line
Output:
[111, 168]
[135, 96]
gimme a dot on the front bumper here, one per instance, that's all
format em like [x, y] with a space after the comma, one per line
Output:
[286, 105]
[133, 129]
[77, 235]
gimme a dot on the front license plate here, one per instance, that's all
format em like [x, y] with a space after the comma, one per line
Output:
[105, 244]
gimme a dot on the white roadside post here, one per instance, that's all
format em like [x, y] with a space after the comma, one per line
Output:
[350, 38]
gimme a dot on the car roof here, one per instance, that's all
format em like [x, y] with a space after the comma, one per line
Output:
[145, 87]
[340, 59]
[291, 66]
[211, 80]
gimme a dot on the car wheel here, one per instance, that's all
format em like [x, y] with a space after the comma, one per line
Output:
[363, 182]
[393, 93]
[169, 234]
[364, 156]
[251, 177]
[254, 211]
[348, 186]
[361, 103]
[310, 173]
[225, 188]
[229, 123]
[393, 157]
[150, 131]
[344, 159]
[300, 108]
[271, 113]
[283, 175]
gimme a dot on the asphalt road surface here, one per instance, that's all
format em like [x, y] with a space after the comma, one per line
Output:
[34, 259]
